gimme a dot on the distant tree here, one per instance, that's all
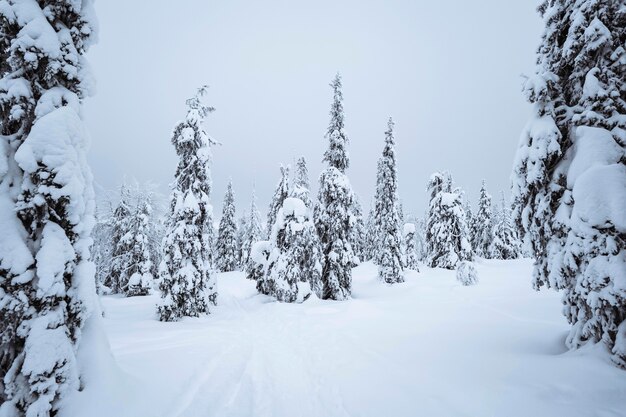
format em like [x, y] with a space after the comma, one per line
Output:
[120, 259]
[187, 277]
[225, 247]
[301, 188]
[446, 231]
[281, 192]
[410, 254]
[333, 215]
[482, 227]
[466, 273]
[371, 234]
[254, 234]
[137, 274]
[242, 230]
[389, 256]
[358, 235]
[505, 243]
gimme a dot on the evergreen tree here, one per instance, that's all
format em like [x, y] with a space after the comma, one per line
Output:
[137, 275]
[369, 247]
[121, 247]
[466, 273]
[570, 168]
[358, 235]
[242, 230]
[389, 257]
[47, 203]
[301, 187]
[306, 243]
[410, 254]
[225, 247]
[333, 216]
[482, 227]
[281, 192]
[186, 270]
[505, 243]
[254, 234]
[446, 231]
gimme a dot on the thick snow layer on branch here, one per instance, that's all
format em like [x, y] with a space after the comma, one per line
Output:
[593, 146]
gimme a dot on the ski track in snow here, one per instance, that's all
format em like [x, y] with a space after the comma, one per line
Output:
[426, 347]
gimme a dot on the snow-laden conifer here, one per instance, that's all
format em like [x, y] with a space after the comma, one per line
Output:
[505, 243]
[333, 214]
[280, 193]
[410, 254]
[482, 227]
[47, 291]
[139, 271]
[389, 256]
[225, 247]
[358, 235]
[447, 236]
[186, 271]
[301, 188]
[253, 234]
[569, 176]
[240, 236]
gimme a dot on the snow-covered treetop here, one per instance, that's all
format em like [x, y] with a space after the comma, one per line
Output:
[337, 155]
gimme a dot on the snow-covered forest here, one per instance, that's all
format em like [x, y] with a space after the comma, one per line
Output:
[319, 298]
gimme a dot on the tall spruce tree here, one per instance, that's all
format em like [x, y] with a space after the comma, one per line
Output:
[226, 249]
[47, 289]
[281, 192]
[482, 227]
[389, 257]
[358, 235]
[369, 247]
[333, 214]
[447, 236]
[240, 236]
[410, 253]
[187, 277]
[137, 275]
[569, 174]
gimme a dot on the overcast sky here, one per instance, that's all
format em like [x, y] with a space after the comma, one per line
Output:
[448, 72]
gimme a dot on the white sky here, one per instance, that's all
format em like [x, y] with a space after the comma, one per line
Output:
[448, 72]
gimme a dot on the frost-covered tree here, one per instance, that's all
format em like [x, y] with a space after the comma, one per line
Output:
[226, 249]
[333, 214]
[47, 291]
[281, 192]
[370, 241]
[307, 243]
[569, 175]
[138, 275]
[447, 236]
[410, 254]
[301, 188]
[121, 227]
[285, 277]
[358, 234]
[482, 227]
[389, 256]
[253, 234]
[240, 236]
[187, 276]
[505, 243]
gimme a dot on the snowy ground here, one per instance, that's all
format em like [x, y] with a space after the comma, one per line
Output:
[428, 347]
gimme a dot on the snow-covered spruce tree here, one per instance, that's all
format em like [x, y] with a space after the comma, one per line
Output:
[281, 192]
[370, 234]
[284, 274]
[226, 250]
[137, 275]
[410, 254]
[47, 290]
[333, 215]
[186, 271]
[505, 243]
[308, 241]
[420, 239]
[447, 236]
[358, 235]
[120, 253]
[389, 256]
[301, 187]
[253, 234]
[102, 248]
[240, 236]
[482, 227]
[569, 175]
